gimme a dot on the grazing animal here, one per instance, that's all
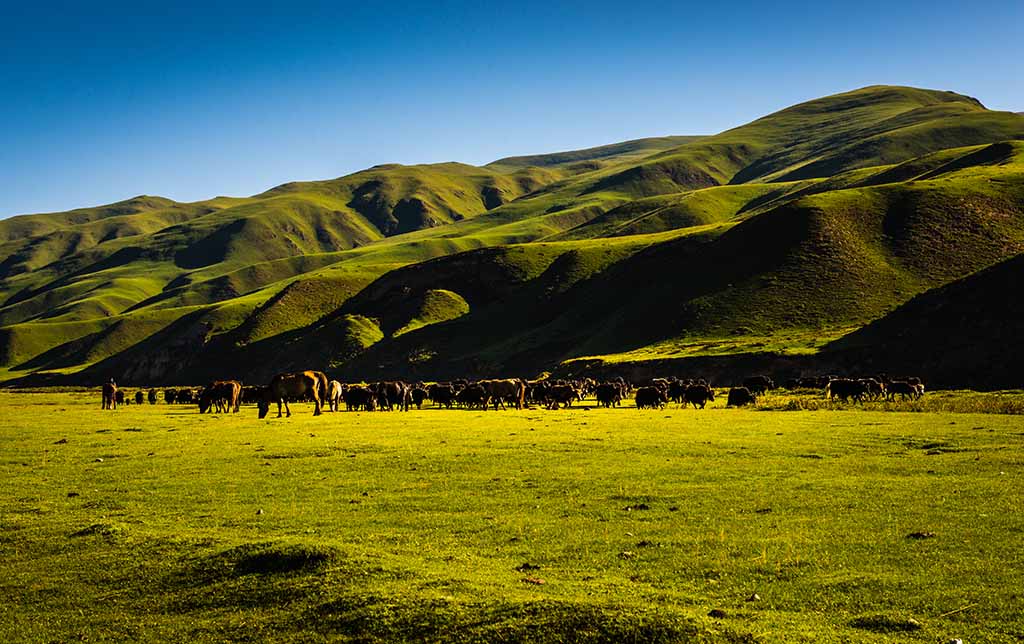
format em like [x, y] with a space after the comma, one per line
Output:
[109, 395]
[442, 395]
[186, 397]
[358, 397]
[740, 396]
[608, 394]
[251, 394]
[222, 395]
[845, 389]
[905, 390]
[292, 385]
[119, 397]
[874, 389]
[392, 394]
[473, 396]
[501, 391]
[170, 396]
[418, 395]
[758, 385]
[140, 397]
[562, 395]
[334, 394]
[699, 395]
[152, 396]
[677, 391]
[650, 398]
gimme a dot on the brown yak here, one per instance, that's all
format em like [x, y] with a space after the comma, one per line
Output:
[293, 385]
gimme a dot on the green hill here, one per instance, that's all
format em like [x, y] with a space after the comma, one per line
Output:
[976, 321]
[780, 235]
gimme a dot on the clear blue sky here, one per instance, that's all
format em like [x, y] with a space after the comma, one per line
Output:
[103, 101]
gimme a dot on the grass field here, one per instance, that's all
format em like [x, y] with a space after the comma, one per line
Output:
[884, 524]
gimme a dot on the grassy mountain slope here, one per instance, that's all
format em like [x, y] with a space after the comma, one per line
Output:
[975, 320]
[786, 232]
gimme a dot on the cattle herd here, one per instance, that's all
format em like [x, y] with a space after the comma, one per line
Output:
[507, 393]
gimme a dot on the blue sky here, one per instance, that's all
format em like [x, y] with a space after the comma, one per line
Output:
[104, 101]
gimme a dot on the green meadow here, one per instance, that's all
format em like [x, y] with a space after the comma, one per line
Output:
[795, 522]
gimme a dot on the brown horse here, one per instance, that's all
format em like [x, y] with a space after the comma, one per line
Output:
[109, 395]
[323, 386]
[293, 385]
[224, 395]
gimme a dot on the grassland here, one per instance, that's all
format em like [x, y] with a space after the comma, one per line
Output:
[152, 523]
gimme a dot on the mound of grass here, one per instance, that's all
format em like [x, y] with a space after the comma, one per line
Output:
[277, 558]
[437, 305]
[108, 531]
[300, 304]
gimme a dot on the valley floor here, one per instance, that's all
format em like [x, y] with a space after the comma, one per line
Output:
[153, 523]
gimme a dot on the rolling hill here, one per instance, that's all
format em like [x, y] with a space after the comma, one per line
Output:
[791, 238]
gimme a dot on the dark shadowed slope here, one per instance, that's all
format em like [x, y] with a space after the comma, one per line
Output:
[967, 331]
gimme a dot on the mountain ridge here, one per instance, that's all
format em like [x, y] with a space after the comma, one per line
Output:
[855, 192]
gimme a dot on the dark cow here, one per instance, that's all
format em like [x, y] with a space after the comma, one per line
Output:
[292, 385]
[740, 396]
[186, 397]
[758, 385]
[140, 397]
[538, 392]
[661, 383]
[699, 395]
[442, 395]
[650, 398]
[608, 394]
[418, 395]
[846, 389]
[152, 396]
[393, 394]
[677, 391]
[120, 398]
[170, 396]
[358, 398]
[562, 394]
[473, 396]
[874, 390]
[251, 394]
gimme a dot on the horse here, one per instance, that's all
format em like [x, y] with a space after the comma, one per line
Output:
[293, 385]
[109, 395]
[224, 395]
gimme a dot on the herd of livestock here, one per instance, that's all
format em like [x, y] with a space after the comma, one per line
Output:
[314, 386]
